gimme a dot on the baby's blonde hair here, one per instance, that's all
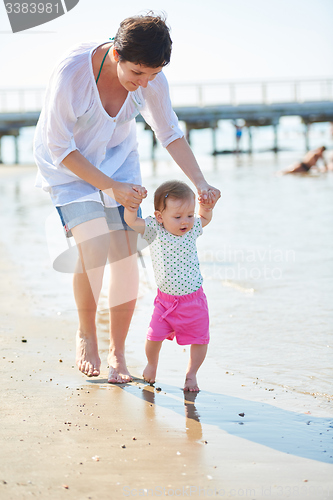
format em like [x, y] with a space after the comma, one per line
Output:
[176, 190]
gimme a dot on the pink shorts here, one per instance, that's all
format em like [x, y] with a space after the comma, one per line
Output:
[182, 316]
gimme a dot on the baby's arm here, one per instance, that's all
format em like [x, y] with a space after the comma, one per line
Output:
[206, 210]
[136, 223]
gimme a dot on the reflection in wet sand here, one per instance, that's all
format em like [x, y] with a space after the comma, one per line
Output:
[287, 431]
[193, 425]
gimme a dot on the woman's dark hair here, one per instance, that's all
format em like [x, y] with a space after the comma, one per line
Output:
[144, 40]
[175, 190]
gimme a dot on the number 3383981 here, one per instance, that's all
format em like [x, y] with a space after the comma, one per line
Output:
[31, 8]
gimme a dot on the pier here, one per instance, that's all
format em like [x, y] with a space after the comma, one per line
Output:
[203, 105]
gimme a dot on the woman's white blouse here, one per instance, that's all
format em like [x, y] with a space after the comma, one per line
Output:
[73, 118]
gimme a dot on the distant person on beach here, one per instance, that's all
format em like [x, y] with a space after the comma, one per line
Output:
[238, 134]
[86, 151]
[309, 161]
[181, 309]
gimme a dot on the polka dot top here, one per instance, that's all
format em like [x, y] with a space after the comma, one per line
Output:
[175, 259]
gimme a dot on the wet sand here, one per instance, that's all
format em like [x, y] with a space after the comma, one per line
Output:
[66, 436]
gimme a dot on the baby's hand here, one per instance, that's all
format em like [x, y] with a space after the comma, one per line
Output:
[210, 202]
[142, 191]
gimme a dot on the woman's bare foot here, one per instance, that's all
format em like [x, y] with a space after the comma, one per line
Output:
[118, 372]
[87, 358]
[191, 383]
[149, 373]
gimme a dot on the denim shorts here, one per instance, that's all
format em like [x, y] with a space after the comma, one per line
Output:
[76, 213]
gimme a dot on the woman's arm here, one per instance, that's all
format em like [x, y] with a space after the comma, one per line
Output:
[128, 195]
[158, 113]
[184, 157]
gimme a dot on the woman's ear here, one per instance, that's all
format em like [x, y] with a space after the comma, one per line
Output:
[115, 55]
[158, 216]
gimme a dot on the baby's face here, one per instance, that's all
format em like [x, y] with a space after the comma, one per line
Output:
[178, 216]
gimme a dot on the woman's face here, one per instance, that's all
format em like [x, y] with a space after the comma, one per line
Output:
[133, 76]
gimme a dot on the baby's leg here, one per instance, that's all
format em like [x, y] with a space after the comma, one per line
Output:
[197, 356]
[153, 348]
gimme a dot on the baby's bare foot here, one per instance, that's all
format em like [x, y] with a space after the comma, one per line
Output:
[149, 373]
[87, 358]
[191, 384]
[118, 372]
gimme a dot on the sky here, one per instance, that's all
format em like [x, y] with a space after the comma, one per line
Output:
[213, 40]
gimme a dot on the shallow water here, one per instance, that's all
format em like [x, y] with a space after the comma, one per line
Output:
[266, 259]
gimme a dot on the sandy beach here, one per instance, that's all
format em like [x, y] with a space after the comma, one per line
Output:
[253, 92]
[66, 436]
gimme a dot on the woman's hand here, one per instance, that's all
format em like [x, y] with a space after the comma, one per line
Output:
[127, 194]
[208, 194]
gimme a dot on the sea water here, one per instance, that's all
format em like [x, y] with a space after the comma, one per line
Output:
[266, 259]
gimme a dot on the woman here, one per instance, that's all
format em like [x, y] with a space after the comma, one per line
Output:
[86, 152]
[310, 160]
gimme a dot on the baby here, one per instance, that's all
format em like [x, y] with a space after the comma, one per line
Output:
[181, 309]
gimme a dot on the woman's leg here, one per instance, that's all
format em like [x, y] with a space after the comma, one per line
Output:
[93, 240]
[123, 292]
[297, 168]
